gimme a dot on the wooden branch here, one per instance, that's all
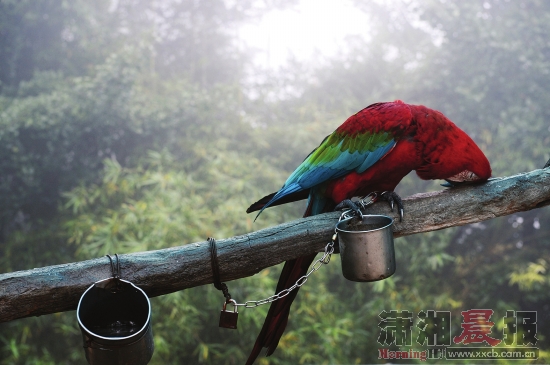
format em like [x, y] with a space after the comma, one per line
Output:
[58, 288]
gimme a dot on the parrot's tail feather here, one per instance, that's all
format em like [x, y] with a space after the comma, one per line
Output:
[277, 316]
[299, 195]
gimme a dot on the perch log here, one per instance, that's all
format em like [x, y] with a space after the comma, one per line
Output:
[58, 288]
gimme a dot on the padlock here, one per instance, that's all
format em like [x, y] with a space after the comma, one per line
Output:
[229, 319]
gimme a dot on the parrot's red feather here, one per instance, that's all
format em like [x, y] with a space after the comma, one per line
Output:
[277, 316]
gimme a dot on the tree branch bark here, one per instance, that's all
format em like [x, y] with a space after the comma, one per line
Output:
[58, 288]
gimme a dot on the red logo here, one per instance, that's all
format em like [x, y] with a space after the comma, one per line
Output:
[476, 327]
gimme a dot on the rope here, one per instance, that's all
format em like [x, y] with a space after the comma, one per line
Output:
[216, 270]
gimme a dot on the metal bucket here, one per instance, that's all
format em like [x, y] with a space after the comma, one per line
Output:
[366, 248]
[114, 317]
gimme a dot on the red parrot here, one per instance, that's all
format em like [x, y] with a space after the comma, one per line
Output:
[370, 152]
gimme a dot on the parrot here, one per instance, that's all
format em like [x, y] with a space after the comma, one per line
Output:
[370, 152]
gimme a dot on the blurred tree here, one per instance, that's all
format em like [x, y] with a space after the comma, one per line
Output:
[49, 35]
[61, 118]
[192, 39]
[55, 131]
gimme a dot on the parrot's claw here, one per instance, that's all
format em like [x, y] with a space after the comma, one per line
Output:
[394, 199]
[348, 204]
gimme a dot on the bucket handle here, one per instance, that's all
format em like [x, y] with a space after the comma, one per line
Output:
[115, 271]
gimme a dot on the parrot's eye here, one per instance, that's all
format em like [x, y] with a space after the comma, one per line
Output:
[463, 176]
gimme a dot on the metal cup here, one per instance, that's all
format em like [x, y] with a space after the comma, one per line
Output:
[114, 317]
[366, 248]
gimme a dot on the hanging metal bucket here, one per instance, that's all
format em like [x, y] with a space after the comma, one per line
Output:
[366, 248]
[115, 320]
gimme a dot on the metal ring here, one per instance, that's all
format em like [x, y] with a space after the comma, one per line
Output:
[232, 301]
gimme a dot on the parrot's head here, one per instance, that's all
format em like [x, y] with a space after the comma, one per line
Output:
[447, 151]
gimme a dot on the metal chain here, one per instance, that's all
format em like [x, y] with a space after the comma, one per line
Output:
[373, 197]
[329, 250]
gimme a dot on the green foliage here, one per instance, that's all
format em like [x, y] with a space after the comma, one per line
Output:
[147, 207]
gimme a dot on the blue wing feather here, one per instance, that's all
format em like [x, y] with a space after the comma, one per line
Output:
[314, 170]
[374, 156]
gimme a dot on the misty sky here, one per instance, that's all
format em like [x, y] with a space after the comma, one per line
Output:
[310, 31]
